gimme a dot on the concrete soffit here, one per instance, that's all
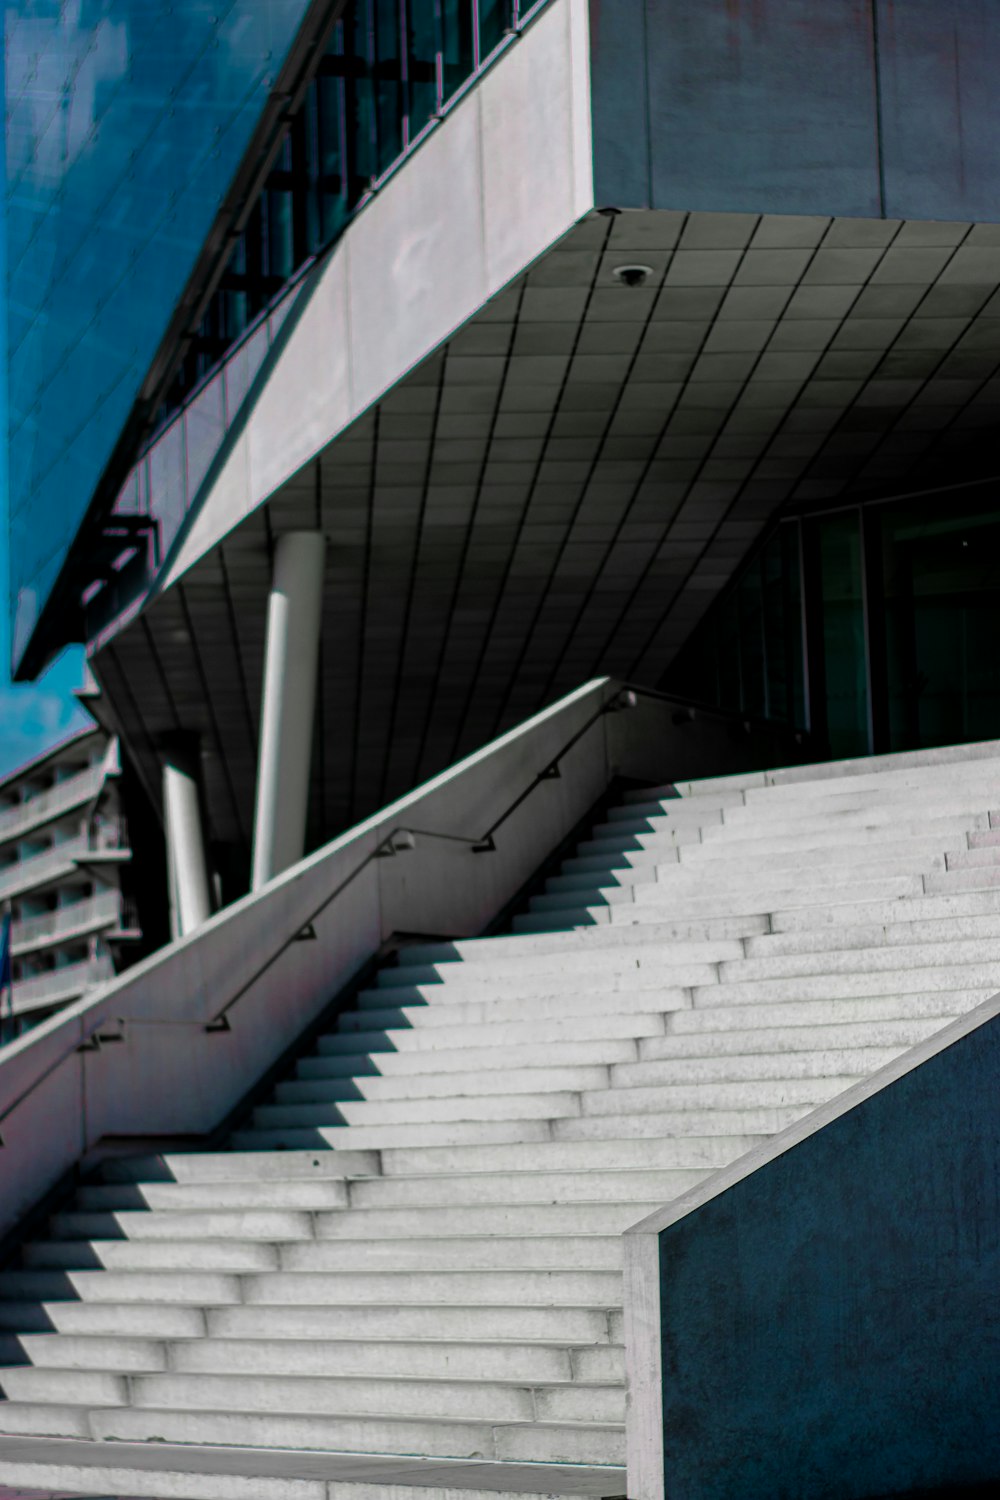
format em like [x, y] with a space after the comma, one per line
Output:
[508, 173]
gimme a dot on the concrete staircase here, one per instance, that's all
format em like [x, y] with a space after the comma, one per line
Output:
[413, 1247]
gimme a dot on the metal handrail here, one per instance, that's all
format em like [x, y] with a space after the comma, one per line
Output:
[399, 840]
[390, 845]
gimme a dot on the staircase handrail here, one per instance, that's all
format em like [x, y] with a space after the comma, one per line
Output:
[401, 838]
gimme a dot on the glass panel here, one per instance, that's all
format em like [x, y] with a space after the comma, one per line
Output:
[942, 592]
[205, 423]
[844, 634]
[746, 657]
[421, 63]
[456, 43]
[127, 122]
[389, 87]
[494, 20]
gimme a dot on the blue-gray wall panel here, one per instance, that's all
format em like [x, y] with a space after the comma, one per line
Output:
[831, 1324]
[763, 105]
[939, 66]
[620, 104]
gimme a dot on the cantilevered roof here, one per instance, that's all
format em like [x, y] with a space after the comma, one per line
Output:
[564, 486]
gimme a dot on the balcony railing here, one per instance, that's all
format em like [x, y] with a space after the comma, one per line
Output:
[75, 791]
[61, 984]
[108, 837]
[102, 910]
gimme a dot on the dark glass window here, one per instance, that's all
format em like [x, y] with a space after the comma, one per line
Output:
[747, 656]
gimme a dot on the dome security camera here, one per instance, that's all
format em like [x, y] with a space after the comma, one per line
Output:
[632, 275]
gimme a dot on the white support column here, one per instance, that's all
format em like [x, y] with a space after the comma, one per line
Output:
[289, 700]
[187, 867]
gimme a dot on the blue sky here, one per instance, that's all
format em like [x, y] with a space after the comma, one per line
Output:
[33, 715]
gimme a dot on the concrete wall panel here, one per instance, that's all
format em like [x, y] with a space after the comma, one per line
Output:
[827, 1322]
[760, 105]
[621, 103]
[507, 173]
[939, 62]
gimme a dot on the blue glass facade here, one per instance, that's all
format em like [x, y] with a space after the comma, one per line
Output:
[126, 122]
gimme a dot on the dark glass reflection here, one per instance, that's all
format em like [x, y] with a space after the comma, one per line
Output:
[126, 122]
[747, 655]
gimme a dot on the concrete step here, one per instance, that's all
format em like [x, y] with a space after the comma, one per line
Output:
[442, 1086]
[976, 879]
[786, 917]
[198, 1224]
[811, 874]
[684, 809]
[563, 1325]
[44, 1420]
[970, 806]
[569, 1002]
[496, 964]
[133, 1319]
[762, 1093]
[759, 889]
[742, 1020]
[385, 1064]
[255, 1197]
[530, 1363]
[192, 1472]
[523, 984]
[747, 830]
[898, 981]
[762, 1121]
[371, 1396]
[899, 935]
[878, 959]
[120, 1355]
[983, 857]
[83, 1388]
[225, 1166]
[155, 1287]
[581, 1443]
[420, 1221]
[149, 1255]
[462, 1190]
[740, 1044]
[472, 951]
[752, 900]
[729, 1069]
[539, 1106]
[435, 1289]
[436, 1133]
[589, 1252]
[692, 1153]
[881, 778]
[592, 1026]
[879, 850]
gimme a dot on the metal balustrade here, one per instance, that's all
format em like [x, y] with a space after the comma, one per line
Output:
[110, 836]
[61, 984]
[63, 797]
[104, 909]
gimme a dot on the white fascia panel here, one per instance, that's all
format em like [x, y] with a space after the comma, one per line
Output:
[507, 174]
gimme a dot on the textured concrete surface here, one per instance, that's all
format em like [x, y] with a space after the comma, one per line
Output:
[444, 1476]
[829, 1321]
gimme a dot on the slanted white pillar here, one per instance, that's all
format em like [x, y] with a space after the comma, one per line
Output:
[187, 867]
[286, 720]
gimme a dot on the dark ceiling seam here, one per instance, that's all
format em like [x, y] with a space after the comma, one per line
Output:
[516, 541]
[414, 566]
[835, 429]
[467, 542]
